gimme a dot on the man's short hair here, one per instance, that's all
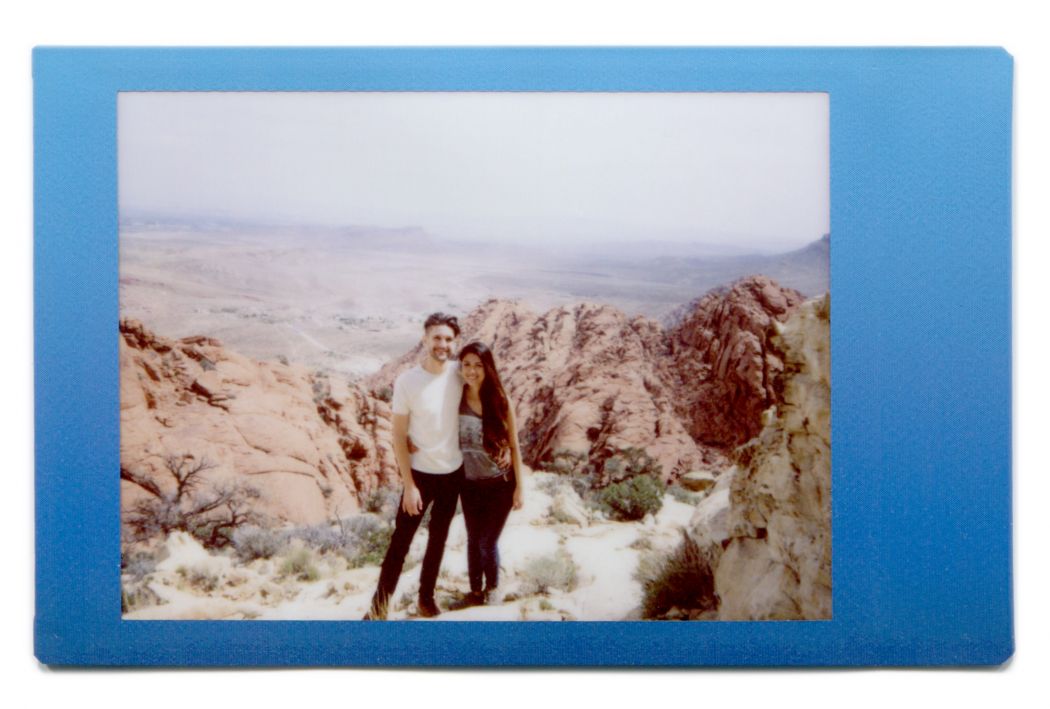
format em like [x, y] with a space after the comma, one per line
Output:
[442, 319]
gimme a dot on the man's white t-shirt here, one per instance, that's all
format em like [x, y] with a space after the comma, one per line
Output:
[432, 404]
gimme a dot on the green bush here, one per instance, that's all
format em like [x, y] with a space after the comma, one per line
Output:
[556, 570]
[631, 499]
[684, 581]
[373, 538]
[299, 565]
[252, 542]
[682, 495]
[362, 539]
[566, 462]
[624, 464]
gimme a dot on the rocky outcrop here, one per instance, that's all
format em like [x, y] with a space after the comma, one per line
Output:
[588, 380]
[312, 448]
[767, 524]
[722, 361]
[584, 379]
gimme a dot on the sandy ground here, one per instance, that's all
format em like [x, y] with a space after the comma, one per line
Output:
[604, 556]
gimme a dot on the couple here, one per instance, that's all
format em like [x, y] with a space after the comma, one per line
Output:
[454, 435]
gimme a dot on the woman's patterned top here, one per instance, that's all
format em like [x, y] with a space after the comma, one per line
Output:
[477, 463]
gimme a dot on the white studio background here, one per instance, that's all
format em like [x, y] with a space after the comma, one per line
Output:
[1014, 25]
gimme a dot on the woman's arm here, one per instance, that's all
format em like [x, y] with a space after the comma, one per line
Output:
[515, 457]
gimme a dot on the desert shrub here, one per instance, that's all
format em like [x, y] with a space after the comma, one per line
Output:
[325, 538]
[624, 464]
[211, 513]
[137, 564]
[382, 502]
[200, 579]
[682, 495]
[299, 564]
[631, 499]
[683, 581]
[138, 596]
[361, 540]
[372, 537]
[565, 462]
[544, 573]
[252, 542]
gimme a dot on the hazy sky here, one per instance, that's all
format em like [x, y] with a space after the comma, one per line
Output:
[748, 168]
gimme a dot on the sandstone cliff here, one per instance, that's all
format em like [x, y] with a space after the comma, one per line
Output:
[767, 526]
[311, 447]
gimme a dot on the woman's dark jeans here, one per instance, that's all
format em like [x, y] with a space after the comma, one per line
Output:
[486, 505]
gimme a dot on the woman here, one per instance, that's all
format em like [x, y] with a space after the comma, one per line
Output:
[488, 439]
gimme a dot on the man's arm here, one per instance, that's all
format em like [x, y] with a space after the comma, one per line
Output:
[411, 500]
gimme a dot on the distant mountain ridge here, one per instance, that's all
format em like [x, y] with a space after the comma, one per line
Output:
[806, 270]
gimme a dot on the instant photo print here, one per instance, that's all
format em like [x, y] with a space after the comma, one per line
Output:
[445, 357]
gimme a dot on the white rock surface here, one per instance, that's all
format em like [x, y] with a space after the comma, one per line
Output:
[777, 558]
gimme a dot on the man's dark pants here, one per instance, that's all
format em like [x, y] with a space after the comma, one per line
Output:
[443, 491]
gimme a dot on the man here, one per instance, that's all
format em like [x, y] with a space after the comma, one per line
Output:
[426, 409]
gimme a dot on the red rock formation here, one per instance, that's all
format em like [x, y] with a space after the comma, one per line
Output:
[724, 367]
[585, 380]
[590, 380]
[312, 448]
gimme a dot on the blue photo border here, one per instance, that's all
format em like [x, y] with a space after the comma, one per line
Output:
[921, 357]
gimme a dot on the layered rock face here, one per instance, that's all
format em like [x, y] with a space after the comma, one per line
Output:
[587, 379]
[313, 449]
[723, 363]
[770, 534]
[584, 379]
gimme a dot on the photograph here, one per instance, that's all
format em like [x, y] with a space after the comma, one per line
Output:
[477, 356]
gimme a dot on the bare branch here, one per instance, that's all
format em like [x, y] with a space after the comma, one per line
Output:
[136, 479]
[186, 472]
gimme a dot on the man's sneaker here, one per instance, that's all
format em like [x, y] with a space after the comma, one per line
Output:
[428, 608]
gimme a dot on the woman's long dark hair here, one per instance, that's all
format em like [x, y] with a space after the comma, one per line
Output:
[495, 406]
